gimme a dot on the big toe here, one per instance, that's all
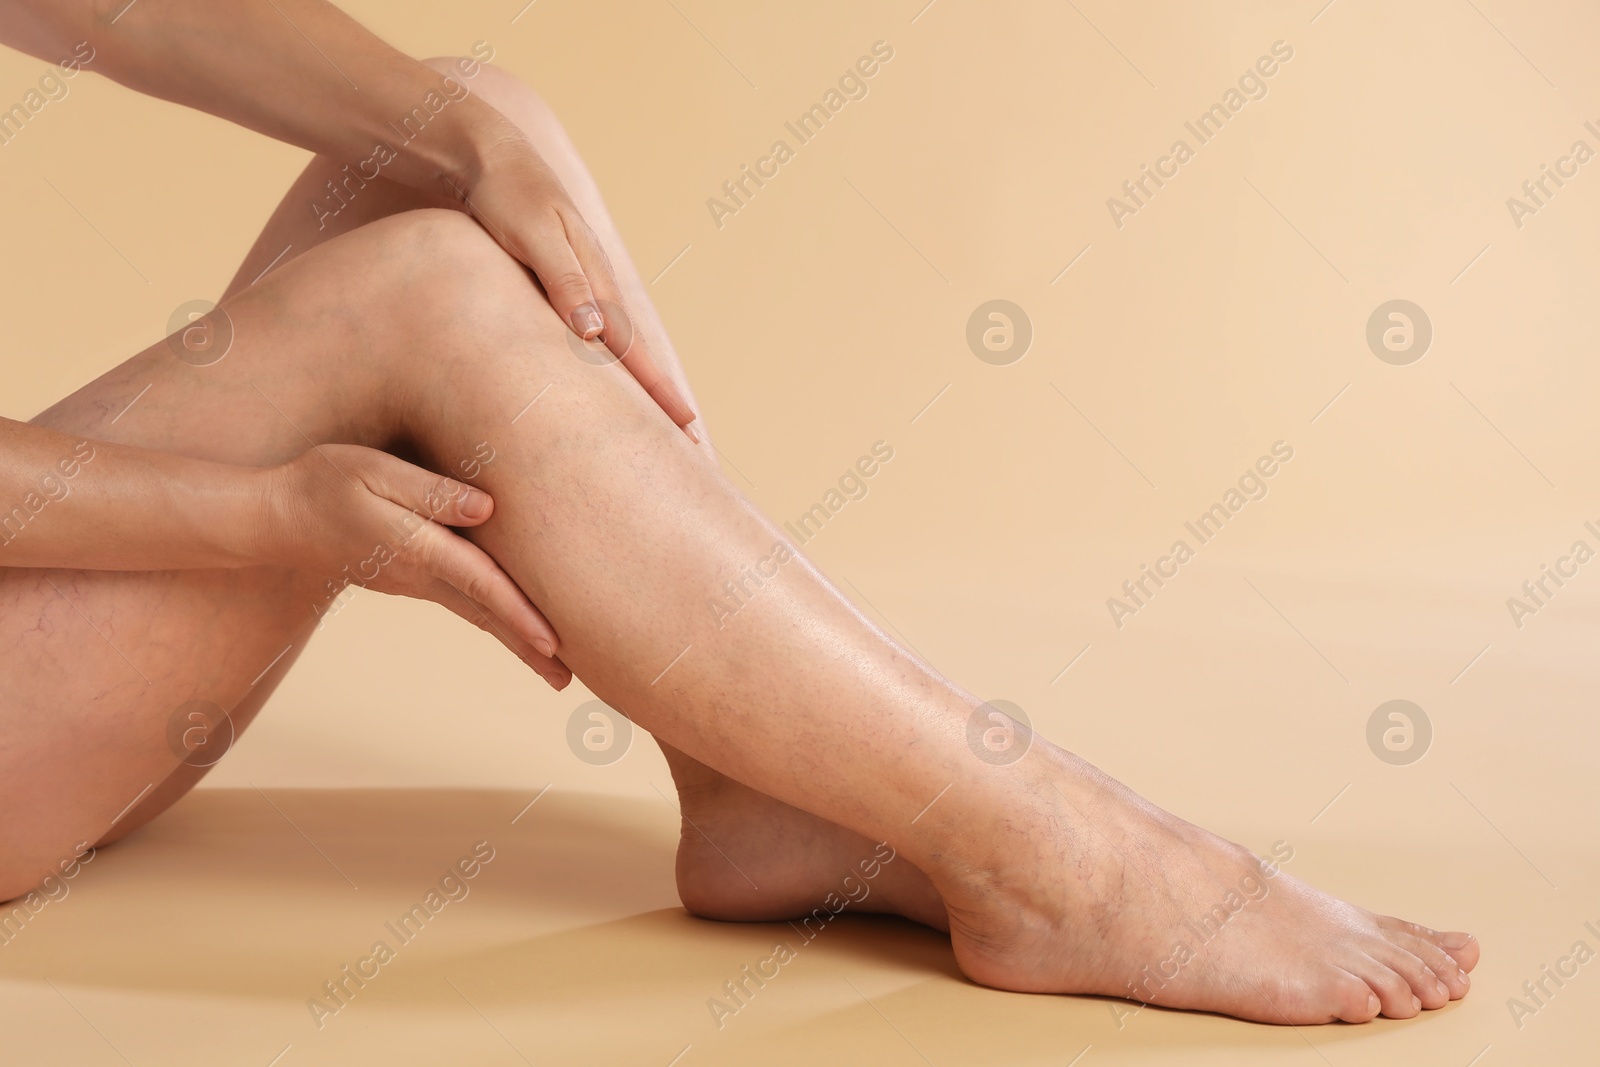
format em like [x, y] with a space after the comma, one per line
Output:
[1461, 946]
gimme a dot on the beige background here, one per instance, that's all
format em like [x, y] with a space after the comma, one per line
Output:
[826, 315]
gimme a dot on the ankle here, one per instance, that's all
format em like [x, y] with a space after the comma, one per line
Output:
[1051, 811]
[981, 843]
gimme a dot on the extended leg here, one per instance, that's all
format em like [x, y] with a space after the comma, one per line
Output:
[1056, 878]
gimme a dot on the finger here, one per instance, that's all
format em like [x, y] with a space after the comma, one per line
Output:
[550, 669]
[623, 338]
[548, 250]
[447, 595]
[542, 243]
[425, 494]
[660, 387]
[475, 573]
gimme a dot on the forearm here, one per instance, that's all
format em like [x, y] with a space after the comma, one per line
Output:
[74, 503]
[298, 70]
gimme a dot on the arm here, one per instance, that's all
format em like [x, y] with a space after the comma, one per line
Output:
[73, 503]
[349, 514]
[247, 61]
[254, 62]
[304, 72]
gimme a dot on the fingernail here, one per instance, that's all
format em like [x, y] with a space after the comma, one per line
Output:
[545, 647]
[694, 435]
[586, 321]
[475, 505]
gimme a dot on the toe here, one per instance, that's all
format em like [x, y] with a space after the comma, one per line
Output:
[1318, 994]
[1351, 1000]
[1461, 946]
[1395, 997]
[1425, 985]
[1440, 962]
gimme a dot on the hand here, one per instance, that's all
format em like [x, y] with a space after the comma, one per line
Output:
[519, 199]
[359, 516]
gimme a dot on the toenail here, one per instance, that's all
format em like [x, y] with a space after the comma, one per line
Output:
[1416, 1003]
[1439, 988]
[1456, 940]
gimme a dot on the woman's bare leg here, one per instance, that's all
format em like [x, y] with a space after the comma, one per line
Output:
[742, 855]
[416, 332]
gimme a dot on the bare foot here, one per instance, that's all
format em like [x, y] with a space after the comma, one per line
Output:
[745, 857]
[1099, 891]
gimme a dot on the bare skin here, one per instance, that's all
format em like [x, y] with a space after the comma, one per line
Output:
[814, 852]
[416, 333]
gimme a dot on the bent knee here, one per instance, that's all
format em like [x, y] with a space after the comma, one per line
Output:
[435, 258]
[397, 298]
[436, 286]
[451, 272]
[495, 84]
[506, 93]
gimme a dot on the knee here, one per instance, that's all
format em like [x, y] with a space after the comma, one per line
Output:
[430, 240]
[402, 299]
[436, 261]
[505, 92]
[477, 73]
[454, 324]
[437, 283]
[445, 271]
[423, 308]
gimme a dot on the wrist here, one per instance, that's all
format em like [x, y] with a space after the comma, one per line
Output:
[448, 153]
[246, 528]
